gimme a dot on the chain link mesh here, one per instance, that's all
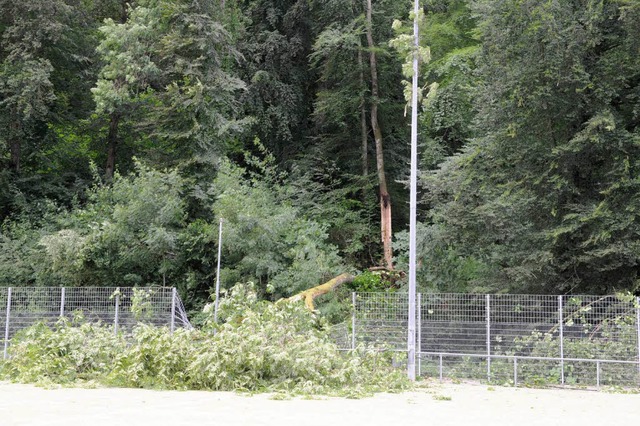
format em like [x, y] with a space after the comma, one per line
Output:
[22, 307]
[536, 339]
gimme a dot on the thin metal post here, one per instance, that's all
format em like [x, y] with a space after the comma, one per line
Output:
[117, 314]
[515, 371]
[440, 367]
[638, 329]
[217, 302]
[413, 201]
[62, 303]
[419, 338]
[561, 331]
[353, 321]
[597, 373]
[488, 315]
[173, 308]
[6, 325]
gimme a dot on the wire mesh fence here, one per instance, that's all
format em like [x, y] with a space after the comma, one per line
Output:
[507, 338]
[22, 307]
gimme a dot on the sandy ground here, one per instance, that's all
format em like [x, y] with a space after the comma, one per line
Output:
[440, 404]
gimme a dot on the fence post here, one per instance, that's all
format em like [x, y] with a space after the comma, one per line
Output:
[419, 330]
[488, 298]
[638, 328]
[515, 371]
[62, 303]
[6, 326]
[115, 320]
[353, 321]
[173, 309]
[561, 331]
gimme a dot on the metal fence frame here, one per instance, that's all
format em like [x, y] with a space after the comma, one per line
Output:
[123, 307]
[576, 340]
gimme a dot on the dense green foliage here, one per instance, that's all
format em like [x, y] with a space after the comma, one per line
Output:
[544, 197]
[260, 347]
[128, 129]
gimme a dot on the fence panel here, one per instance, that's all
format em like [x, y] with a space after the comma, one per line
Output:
[575, 340]
[122, 307]
[381, 319]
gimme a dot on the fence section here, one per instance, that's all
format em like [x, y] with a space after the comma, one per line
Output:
[575, 340]
[21, 307]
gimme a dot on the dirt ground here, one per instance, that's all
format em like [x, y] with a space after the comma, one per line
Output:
[439, 404]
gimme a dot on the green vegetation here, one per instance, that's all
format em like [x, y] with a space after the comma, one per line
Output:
[128, 129]
[260, 346]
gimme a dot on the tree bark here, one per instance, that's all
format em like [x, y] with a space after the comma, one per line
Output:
[312, 293]
[385, 199]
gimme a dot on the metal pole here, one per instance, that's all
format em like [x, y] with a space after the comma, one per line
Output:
[419, 338]
[515, 371]
[411, 336]
[117, 314]
[353, 321]
[62, 303]
[638, 328]
[440, 365]
[597, 373]
[217, 302]
[488, 315]
[6, 325]
[173, 309]
[561, 330]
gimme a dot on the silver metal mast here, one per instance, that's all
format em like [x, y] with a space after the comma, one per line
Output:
[411, 338]
[217, 302]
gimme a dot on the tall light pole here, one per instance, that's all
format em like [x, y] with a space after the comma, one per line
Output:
[217, 301]
[411, 337]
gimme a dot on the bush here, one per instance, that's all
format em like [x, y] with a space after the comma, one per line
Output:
[261, 346]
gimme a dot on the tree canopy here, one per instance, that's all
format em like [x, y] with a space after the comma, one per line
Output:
[128, 129]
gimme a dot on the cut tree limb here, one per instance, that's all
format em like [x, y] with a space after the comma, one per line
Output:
[310, 294]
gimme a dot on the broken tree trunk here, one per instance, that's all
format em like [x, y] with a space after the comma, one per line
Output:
[310, 294]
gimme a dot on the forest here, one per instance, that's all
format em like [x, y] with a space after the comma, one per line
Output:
[130, 128]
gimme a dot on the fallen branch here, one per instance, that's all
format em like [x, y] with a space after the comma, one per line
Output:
[310, 294]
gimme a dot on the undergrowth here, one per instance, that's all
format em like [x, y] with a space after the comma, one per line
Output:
[259, 347]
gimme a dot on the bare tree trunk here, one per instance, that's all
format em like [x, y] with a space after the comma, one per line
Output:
[112, 145]
[385, 199]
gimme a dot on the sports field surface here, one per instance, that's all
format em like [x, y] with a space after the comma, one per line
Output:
[438, 405]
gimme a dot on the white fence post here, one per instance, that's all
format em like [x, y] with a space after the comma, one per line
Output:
[117, 314]
[419, 329]
[638, 329]
[173, 309]
[561, 331]
[6, 326]
[62, 303]
[353, 321]
[488, 298]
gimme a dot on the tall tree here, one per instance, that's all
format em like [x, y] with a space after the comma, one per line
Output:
[383, 192]
[546, 197]
[32, 35]
[275, 44]
[166, 71]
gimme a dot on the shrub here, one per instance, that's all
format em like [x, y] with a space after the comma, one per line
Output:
[261, 346]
